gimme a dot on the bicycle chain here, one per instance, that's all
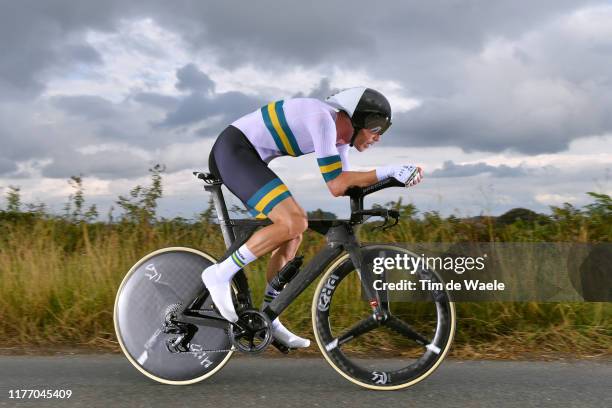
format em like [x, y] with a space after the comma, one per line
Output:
[175, 307]
[171, 312]
[217, 350]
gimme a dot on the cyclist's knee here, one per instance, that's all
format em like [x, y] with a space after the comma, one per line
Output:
[291, 216]
[297, 225]
[298, 239]
[294, 225]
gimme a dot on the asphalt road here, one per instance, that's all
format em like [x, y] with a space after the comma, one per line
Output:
[110, 381]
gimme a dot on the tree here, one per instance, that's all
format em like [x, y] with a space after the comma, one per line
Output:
[518, 214]
[602, 207]
[599, 217]
[13, 199]
[76, 201]
[406, 210]
[141, 205]
[321, 215]
[209, 215]
[39, 209]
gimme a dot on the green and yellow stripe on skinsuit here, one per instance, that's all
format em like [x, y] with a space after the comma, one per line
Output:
[274, 118]
[330, 167]
[264, 200]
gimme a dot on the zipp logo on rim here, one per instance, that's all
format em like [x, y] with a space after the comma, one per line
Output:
[380, 377]
[152, 273]
[326, 292]
[196, 350]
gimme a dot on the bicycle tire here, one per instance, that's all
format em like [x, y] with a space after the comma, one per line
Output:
[351, 367]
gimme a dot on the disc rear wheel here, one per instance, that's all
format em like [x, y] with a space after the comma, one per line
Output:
[147, 318]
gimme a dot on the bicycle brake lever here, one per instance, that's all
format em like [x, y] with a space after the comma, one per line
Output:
[392, 225]
[382, 226]
[392, 214]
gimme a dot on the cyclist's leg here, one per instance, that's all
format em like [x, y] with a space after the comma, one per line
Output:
[243, 172]
[289, 221]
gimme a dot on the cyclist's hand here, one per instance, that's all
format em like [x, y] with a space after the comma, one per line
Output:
[416, 179]
[409, 175]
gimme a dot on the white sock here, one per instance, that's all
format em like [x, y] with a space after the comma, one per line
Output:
[218, 277]
[269, 295]
[236, 261]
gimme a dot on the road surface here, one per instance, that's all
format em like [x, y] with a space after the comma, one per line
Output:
[110, 381]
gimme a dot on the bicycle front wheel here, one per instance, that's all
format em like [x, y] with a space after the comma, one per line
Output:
[154, 291]
[392, 354]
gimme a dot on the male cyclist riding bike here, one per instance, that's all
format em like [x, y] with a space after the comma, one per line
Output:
[240, 156]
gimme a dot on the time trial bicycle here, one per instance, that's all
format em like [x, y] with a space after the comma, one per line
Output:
[170, 330]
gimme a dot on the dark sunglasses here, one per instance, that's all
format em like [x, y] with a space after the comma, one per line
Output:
[377, 124]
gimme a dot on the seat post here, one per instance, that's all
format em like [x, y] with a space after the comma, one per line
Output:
[222, 214]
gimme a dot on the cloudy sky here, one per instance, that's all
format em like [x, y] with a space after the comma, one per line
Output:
[504, 103]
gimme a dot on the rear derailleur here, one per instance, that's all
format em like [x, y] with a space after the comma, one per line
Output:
[181, 333]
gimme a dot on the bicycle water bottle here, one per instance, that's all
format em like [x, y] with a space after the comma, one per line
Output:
[287, 272]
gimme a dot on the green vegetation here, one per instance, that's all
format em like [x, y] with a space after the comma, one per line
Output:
[59, 274]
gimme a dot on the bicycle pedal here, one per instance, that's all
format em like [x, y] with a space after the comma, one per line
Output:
[280, 347]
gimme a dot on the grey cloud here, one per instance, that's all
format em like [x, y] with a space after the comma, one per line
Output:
[321, 91]
[353, 32]
[481, 122]
[23, 138]
[228, 106]
[86, 106]
[36, 37]
[82, 53]
[105, 164]
[450, 169]
[197, 107]
[269, 33]
[203, 103]
[157, 100]
[429, 49]
[190, 78]
[189, 110]
[37, 131]
[7, 166]
[546, 88]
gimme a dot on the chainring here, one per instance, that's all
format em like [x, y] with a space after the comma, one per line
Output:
[252, 333]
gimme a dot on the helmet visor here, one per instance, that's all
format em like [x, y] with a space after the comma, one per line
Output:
[376, 123]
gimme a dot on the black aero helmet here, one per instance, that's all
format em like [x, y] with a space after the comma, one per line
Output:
[367, 108]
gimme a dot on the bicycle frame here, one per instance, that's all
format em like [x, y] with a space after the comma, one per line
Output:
[340, 237]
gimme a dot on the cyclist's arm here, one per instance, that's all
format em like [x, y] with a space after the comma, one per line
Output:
[333, 160]
[346, 179]
[409, 175]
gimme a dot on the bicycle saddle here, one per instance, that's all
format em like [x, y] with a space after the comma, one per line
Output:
[209, 178]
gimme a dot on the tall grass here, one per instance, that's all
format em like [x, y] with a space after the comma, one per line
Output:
[59, 275]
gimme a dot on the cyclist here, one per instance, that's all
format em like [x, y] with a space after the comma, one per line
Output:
[240, 156]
